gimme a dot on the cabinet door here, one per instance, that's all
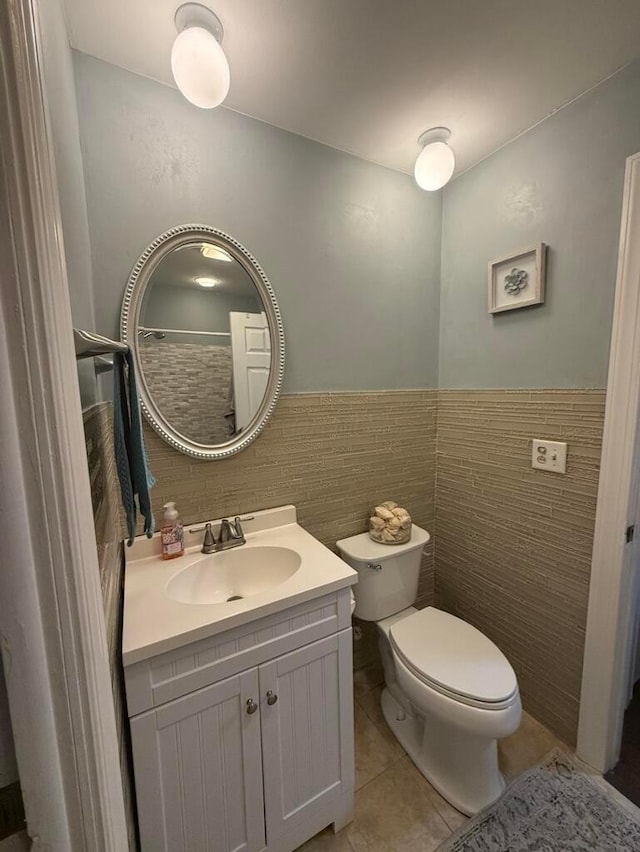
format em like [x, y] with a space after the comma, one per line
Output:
[307, 740]
[198, 771]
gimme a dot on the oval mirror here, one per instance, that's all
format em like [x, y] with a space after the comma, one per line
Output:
[202, 321]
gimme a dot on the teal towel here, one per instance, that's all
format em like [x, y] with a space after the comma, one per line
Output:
[130, 452]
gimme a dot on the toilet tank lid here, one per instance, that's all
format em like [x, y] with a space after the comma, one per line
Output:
[364, 548]
[454, 655]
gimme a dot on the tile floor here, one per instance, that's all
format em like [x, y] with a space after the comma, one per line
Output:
[396, 809]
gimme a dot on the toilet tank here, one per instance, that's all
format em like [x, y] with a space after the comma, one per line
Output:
[387, 574]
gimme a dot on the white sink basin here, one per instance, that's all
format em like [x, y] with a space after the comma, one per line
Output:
[233, 575]
[169, 604]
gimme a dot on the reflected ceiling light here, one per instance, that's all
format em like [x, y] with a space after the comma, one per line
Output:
[206, 282]
[199, 66]
[436, 161]
[215, 253]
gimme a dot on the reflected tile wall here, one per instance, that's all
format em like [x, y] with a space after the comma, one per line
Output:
[181, 374]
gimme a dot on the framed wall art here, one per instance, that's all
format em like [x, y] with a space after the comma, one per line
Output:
[517, 281]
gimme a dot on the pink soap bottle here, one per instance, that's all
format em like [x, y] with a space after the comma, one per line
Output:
[171, 533]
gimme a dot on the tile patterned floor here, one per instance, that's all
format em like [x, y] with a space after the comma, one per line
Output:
[396, 809]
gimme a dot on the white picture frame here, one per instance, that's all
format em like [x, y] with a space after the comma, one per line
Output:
[517, 280]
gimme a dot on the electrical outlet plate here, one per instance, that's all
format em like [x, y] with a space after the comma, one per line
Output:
[549, 455]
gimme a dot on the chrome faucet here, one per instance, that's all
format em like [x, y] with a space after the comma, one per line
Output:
[231, 533]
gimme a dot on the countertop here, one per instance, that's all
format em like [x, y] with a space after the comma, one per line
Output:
[155, 623]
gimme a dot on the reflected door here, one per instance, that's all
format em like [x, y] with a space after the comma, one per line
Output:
[251, 357]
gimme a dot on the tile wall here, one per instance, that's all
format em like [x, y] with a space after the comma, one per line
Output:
[513, 544]
[333, 455]
[105, 499]
[177, 373]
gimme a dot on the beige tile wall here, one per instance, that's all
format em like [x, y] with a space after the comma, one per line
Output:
[333, 455]
[513, 544]
[105, 499]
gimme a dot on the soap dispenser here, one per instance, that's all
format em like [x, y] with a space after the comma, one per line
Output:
[171, 533]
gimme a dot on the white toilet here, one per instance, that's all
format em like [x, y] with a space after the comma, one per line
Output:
[450, 693]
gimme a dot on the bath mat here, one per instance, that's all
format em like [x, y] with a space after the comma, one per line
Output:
[554, 807]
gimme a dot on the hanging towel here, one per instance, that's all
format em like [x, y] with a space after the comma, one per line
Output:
[130, 452]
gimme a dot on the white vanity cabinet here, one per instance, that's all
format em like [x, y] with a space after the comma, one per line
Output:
[198, 771]
[244, 741]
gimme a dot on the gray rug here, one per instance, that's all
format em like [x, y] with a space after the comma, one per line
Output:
[551, 808]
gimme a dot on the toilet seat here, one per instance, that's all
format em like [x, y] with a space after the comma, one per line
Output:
[454, 658]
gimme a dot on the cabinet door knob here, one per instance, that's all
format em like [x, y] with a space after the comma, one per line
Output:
[251, 706]
[271, 697]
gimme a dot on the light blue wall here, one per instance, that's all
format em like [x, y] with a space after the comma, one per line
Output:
[58, 75]
[170, 306]
[352, 249]
[561, 183]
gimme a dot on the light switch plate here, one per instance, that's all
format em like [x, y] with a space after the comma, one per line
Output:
[549, 455]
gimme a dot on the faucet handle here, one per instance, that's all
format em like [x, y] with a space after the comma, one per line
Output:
[209, 541]
[209, 538]
[237, 523]
[201, 528]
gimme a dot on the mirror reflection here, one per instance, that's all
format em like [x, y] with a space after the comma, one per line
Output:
[204, 344]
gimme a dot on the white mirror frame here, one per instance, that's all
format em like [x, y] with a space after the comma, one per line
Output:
[130, 319]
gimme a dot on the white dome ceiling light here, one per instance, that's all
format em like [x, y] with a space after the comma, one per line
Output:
[436, 161]
[215, 253]
[198, 62]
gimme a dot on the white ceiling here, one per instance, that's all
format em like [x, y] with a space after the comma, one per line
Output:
[181, 267]
[368, 77]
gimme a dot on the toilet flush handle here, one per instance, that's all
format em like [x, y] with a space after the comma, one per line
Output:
[374, 566]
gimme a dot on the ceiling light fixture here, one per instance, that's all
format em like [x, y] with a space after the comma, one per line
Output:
[206, 282]
[215, 253]
[436, 161]
[199, 66]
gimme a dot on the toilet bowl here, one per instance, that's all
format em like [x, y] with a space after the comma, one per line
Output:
[450, 694]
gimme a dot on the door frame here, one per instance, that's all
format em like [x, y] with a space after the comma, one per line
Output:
[608, 655]
[53, 635]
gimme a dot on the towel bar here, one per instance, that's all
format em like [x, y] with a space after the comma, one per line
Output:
[88, 345]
